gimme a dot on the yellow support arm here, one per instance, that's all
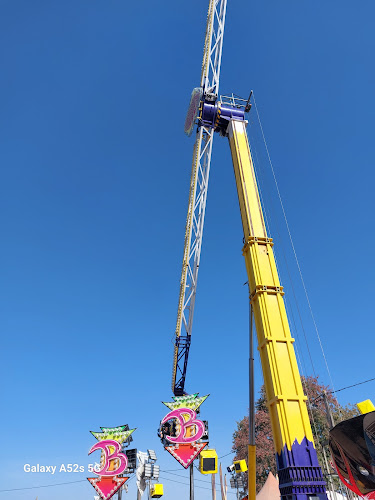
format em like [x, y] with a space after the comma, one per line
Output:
[285, 398]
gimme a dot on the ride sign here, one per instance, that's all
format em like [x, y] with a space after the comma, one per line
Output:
[113, 462]
[181, 430]
[110, 456]
[185, 426]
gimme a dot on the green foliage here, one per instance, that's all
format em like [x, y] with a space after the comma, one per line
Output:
[265, 461]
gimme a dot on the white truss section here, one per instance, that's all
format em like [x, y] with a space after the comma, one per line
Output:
[213, 46]
[198, 193]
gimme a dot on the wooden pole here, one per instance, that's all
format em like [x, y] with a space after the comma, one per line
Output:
[213, 486]
[223, 496]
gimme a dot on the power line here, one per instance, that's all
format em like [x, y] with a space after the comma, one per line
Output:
[186, 484]
[294, 250]
[184, 477]
[172, 470]
[354, 385]
[50, 485]
[44, 486]
[343, 388]
[222, 456]
[230, 453]
[83, 481]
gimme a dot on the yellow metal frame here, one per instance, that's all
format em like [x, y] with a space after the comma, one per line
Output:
[240, 466]
[251, 472]
[365, 406]
[156, 490]
[285, 397]
[207, 454]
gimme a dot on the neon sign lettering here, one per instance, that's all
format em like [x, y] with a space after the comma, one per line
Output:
[113, 462]
[181, 437]
[110, 456]
[185, 426]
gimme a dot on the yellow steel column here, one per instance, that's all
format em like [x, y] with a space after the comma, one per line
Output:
[285, 397]
[251, 472]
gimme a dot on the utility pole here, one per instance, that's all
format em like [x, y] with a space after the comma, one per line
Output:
[251, 474]
[331, 422]
[213, 486]
[192, 481]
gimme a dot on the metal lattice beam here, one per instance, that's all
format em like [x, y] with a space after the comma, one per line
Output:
[197, 197]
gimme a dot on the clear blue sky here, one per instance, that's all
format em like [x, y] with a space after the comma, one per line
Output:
[94, 183]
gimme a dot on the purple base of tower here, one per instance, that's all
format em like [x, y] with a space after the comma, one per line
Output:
[300, 475]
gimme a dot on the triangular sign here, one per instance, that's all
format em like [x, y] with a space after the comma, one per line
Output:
[107, 486]
[186, 453]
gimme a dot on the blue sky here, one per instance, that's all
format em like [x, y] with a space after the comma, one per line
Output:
[95, 176]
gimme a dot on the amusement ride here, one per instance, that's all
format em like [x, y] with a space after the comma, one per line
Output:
[300, 475]
[181, 431]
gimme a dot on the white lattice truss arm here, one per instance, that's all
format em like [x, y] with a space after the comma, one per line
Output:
[197, 197]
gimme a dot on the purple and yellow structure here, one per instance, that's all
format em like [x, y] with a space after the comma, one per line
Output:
[300, 476]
